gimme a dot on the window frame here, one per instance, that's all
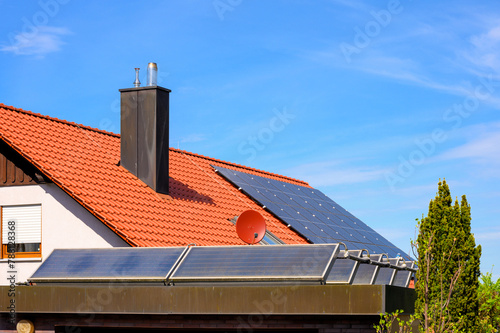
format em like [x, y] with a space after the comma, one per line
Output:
[4, 253]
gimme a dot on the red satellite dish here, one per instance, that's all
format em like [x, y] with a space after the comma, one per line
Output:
[251, 226]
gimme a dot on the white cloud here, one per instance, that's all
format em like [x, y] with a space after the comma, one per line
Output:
[491, 233]
[481, 236]
[484, 148]
[401, 69]
[486, 49]
[330, 173]
[41, 41]
[478, 55]
[418, 191]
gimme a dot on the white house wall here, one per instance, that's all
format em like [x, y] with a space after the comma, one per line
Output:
[65, 224]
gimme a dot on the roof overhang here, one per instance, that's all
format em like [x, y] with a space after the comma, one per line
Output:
[211, 300]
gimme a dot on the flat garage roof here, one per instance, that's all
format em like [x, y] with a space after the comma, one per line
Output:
[215, 299]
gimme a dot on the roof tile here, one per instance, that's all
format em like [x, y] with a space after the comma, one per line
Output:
[84, 162]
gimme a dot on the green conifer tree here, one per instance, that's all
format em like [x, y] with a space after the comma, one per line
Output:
[448, 261]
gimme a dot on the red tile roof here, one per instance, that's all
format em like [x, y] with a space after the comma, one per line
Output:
[84, 162]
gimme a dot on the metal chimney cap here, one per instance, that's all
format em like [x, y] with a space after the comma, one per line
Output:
[152, 77]
[137, 82]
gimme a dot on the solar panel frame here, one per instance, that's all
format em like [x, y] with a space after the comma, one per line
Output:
[178, 276]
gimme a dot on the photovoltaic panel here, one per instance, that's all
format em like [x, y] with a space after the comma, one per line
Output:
[311, 213]
[366, 272]
[145, 264]
[342, 271]
[387, 275]
[402, 278]
[255, 263]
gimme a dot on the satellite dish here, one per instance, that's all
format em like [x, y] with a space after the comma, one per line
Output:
[251, 226]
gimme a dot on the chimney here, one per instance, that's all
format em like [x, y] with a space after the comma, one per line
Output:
[144, 132]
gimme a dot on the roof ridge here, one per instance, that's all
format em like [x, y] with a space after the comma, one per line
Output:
[240, 166]
[12, 108]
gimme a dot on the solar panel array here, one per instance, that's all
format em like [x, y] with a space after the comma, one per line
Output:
[145, 264]
[311, 213]
[306, 264]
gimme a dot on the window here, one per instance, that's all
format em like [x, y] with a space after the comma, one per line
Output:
[22, 231]
[270, 239]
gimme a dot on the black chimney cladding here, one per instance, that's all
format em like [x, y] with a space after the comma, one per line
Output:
[144, 134]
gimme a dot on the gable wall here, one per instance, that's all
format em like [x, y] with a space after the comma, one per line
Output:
[15, 170]
[65, 224]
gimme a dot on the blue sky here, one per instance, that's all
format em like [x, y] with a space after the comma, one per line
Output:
[370, 102]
